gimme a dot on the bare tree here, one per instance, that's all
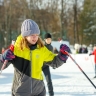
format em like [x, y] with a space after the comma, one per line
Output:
[76, 39]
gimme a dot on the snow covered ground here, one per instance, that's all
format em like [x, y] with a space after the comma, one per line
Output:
[68, 80]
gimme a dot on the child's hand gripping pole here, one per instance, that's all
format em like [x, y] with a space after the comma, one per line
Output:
[62, 54]
[80, 69]
[6, 61]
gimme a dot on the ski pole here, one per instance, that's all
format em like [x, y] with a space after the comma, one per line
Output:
[80, 69]
[3, 66]
[6, 61]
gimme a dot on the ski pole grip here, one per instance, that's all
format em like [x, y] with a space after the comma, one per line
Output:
[64, 52]
[12, 46]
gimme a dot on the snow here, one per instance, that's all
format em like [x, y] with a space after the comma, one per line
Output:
[67, 80]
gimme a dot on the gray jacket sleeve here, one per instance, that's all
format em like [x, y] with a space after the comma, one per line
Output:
[56, 62]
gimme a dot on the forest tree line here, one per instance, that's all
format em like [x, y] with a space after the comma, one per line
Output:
[72, 20]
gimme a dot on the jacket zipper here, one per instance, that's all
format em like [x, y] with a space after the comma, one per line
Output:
[30, 68]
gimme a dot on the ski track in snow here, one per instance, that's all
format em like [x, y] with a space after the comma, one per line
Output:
[67, 80]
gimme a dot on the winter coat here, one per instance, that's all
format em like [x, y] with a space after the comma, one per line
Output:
[50, 48]
[94, 53]
[28, 77]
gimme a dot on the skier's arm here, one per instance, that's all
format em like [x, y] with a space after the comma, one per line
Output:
[59, 59]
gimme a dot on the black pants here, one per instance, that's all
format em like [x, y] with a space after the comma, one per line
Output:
[47, 74]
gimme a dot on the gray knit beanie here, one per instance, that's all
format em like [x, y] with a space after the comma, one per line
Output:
[29, 27]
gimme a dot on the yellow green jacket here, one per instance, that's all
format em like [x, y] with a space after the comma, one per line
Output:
[28, 64]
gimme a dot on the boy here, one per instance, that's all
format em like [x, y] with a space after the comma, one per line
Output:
[45, 68]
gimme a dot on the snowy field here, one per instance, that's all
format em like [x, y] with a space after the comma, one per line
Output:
[68, 80]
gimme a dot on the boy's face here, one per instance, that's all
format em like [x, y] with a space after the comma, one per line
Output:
[48, 40]
[32, 39]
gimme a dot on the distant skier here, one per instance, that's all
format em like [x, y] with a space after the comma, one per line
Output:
[94, 53]
[45, 68]
[83, 49]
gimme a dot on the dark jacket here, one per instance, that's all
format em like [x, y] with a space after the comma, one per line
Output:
[50, 48]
